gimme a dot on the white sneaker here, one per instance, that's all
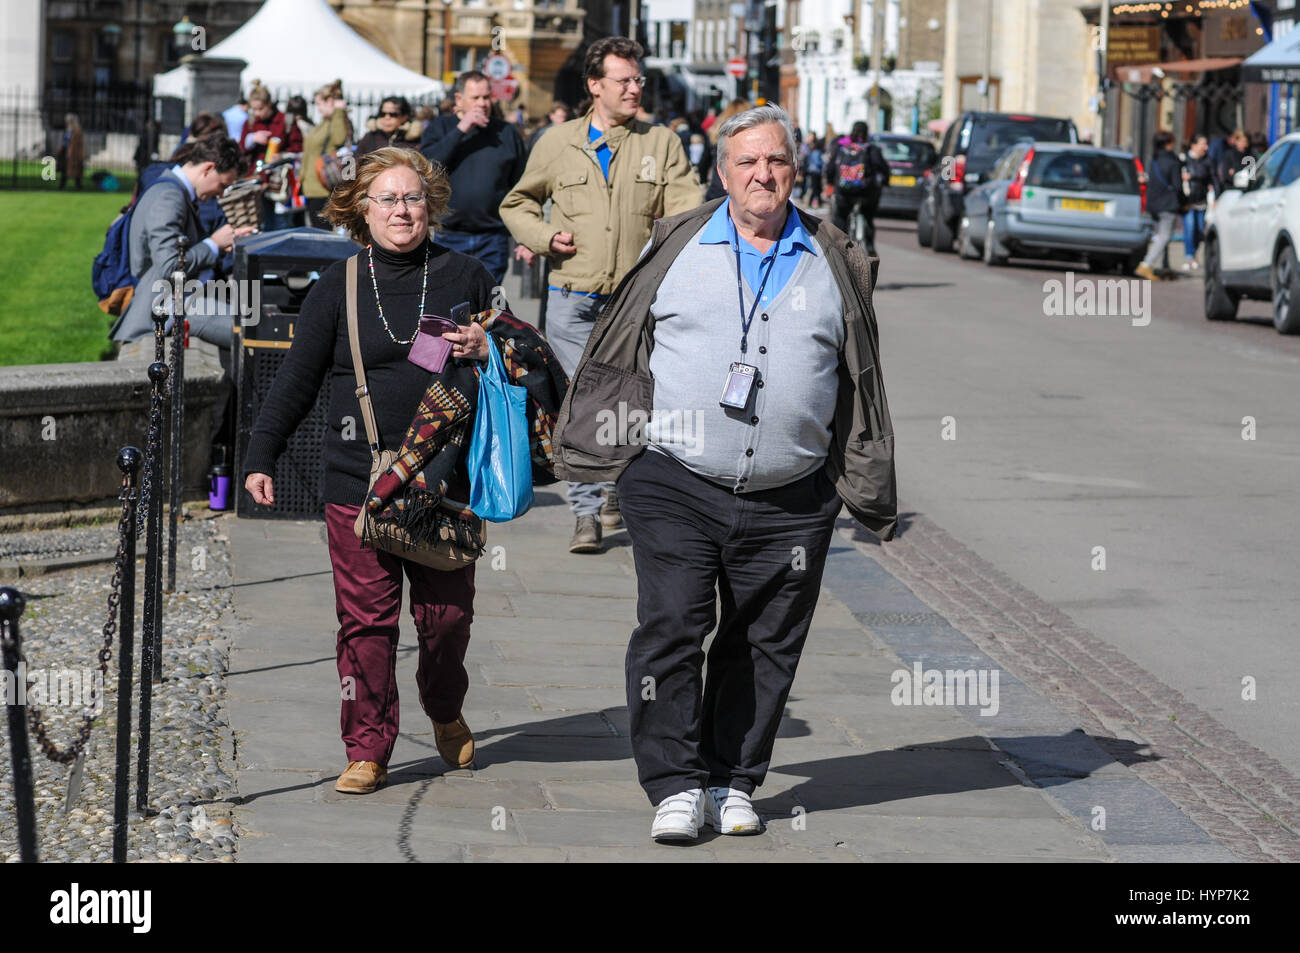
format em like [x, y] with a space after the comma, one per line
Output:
[730, 812]
[679, 816]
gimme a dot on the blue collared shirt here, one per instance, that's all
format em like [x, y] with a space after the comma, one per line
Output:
[794, 241]
[177, 171]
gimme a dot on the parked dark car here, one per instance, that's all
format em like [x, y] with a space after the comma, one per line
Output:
[971, 145]
[1058, 200]
[909, 158]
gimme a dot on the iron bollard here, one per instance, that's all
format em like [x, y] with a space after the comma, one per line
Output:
[12, 604]
[178, 409]
[155, 528]
[128, 461]
[151, 627]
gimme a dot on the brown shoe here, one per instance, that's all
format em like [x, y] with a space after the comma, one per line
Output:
[586, 535]
[1144, 271]
[361, 777]
[611, 515]
[455, 742]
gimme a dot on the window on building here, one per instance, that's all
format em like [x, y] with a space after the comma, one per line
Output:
[61, 46]
[463, 58]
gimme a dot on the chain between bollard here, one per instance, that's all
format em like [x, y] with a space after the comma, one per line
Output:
[34, 716]
[153, 448]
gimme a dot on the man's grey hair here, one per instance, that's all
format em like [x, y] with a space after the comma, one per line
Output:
[757, 117]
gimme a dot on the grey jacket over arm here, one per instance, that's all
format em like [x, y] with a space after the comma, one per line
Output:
[162, 215]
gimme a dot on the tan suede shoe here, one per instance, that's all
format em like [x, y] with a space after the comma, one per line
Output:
[455, 742]
[361, 777]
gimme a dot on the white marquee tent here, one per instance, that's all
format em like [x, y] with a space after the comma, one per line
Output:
[296, 46]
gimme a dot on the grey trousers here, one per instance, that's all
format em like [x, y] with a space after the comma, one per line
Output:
[1165, 222]
[569, 320]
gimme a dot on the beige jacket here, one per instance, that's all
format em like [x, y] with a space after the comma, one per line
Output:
[651, 177]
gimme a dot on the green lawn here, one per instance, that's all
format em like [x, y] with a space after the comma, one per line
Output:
[48, 311]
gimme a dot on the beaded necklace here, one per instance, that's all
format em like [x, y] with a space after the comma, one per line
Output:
[424, 286]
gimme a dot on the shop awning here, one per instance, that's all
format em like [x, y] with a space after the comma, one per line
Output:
[1142, 73]
[1278, 62]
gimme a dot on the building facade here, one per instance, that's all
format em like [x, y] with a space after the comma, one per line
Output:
[872, 60]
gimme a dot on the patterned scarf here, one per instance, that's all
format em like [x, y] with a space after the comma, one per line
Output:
[412, 492]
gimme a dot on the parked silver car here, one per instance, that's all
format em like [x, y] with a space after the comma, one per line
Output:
[1059, 200]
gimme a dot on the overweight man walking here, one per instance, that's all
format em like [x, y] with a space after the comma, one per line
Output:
[736, 425]
[609, 177]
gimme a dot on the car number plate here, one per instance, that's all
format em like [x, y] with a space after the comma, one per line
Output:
[1083, 205]
[902, 180]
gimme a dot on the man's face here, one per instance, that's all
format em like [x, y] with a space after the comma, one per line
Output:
[477, 95]
[212, 183]
[759, 170]
[559, 115]
[1200, 147]
[617, 92]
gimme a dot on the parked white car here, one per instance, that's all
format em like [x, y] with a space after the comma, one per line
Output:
[1251, 236]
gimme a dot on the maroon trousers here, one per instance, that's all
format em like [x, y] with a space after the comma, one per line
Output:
[368, 600]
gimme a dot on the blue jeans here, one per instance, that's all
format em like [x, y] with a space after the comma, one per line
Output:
[1193, 230]
[490, 248]
[569, 320]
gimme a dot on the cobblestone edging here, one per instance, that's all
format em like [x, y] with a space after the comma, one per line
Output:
[62, 628]
[1246, 800]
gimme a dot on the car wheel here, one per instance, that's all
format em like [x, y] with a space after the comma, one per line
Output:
[993, 253]
[1220, 303]
[965, 247]
[941, 235]
[1286, 292]
[923, 224]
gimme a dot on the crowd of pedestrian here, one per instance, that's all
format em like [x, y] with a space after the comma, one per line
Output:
[634, 213]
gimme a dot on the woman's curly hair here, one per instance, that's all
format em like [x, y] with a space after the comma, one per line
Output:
[348, 202]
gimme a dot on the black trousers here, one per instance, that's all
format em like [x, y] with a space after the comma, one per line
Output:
[842, 208]
[695, 545]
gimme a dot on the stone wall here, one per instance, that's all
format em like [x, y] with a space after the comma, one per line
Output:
[62, 425]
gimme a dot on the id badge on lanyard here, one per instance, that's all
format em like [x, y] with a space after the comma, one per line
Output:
[740, 378]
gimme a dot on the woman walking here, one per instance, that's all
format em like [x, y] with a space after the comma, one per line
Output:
[325, 139]
[404, 274]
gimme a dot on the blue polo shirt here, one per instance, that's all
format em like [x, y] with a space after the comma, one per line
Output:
[794, 240]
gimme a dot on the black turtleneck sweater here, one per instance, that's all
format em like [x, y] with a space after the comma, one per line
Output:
[320, 350]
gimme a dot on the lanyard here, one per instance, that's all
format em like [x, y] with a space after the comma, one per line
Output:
[746, 321]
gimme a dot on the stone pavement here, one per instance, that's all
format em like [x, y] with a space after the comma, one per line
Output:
[855, 777]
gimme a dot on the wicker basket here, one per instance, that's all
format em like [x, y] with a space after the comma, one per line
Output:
[242, 203]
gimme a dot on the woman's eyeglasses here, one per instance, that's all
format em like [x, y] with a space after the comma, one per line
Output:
[389, 202]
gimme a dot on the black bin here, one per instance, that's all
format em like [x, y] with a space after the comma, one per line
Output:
[286, 264]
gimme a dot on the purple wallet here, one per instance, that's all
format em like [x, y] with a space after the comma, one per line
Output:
[429, 350]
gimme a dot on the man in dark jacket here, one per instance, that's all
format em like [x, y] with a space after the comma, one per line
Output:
[1198, 177]
[732, 498]
[485, 157]
[858, 171]
[1164, 201]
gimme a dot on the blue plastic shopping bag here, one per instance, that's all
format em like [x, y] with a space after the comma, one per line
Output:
[500, 469]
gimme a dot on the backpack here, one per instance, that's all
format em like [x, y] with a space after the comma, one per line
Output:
[110, 275]
[859, 168]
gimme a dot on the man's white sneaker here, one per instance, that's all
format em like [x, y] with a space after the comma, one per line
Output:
[730, 812]
[679, 816]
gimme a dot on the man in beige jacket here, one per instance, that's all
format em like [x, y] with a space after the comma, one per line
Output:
[609, 177]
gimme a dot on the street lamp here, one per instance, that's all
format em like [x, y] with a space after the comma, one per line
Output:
[446, 39]
[182, 32]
